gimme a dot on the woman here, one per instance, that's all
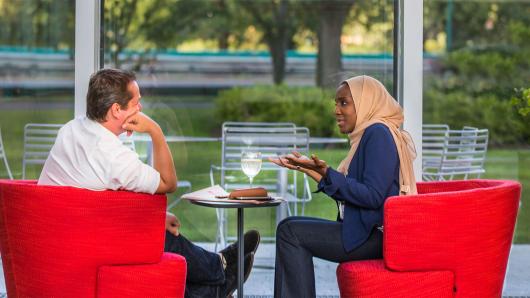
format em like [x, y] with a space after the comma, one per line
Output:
[378, 165]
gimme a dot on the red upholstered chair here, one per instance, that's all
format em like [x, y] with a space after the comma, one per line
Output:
[71, 242]
[451, 240]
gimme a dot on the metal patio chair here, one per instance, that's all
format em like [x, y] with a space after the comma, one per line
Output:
[38, 142]
[272, 140]
[4, 157]
[433, 146]
[462, 156]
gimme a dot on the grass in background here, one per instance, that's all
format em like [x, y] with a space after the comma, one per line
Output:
[193, 162]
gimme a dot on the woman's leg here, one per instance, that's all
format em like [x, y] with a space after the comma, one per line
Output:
[298, 239]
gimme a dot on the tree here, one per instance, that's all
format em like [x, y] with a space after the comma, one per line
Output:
[170, 22]
[44, 23]
[274, 19]
[333, 14]
[473, 23]
[118, 17]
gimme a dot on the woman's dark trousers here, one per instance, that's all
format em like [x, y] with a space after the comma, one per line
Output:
[299, 239]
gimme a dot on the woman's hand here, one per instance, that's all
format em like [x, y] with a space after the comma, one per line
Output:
[314, 167]
[313, 163]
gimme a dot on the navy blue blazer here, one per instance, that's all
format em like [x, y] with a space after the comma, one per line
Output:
[373, 176]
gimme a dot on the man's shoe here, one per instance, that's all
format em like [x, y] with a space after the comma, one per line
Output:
[230, 284]
[252, 239]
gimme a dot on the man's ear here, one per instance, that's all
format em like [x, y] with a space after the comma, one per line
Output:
[115, 111]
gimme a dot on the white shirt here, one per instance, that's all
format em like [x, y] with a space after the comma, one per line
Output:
[87, 155]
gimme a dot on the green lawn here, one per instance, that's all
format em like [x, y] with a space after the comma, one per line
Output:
[193, 162]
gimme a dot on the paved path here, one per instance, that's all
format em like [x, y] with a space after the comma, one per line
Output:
[260, 283]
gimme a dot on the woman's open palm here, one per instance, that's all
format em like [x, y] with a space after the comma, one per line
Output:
[314, 167]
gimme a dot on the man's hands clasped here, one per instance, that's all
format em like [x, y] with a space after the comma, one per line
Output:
[314, 167]
[172, 224]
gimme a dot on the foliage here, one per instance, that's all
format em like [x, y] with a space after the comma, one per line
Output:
[458, 109]
[305, 106]
[471, 23]
[479, 84]
[43, 24]
[490, 69]
[522, 102]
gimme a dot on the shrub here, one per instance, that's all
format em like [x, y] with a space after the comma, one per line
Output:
[305, 106]
[458, 108]
[521, 101]
[477, 84]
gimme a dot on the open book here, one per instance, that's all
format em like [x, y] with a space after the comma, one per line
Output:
[217, 194]
[207, 194]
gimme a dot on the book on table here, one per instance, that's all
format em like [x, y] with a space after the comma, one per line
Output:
[217, 194]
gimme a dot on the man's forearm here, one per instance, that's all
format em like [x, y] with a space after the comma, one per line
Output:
[162, 160]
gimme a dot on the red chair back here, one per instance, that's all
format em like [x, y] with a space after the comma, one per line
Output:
[462, 226]
[53, 239]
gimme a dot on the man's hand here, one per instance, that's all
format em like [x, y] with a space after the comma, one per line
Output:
[172, 224]
[139, 122]
[162, 159]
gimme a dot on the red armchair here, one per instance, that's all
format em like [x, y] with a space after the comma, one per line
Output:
[71, 242]
[451, 240]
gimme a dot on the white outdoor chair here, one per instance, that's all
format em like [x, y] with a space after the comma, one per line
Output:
[38, 142]
[462, 156]
[272, 140]
[433, 146]
[144, 155]
[4, 157]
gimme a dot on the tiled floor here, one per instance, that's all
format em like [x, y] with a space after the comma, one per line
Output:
[260, 283]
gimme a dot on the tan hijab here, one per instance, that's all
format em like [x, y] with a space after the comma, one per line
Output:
[374, 104]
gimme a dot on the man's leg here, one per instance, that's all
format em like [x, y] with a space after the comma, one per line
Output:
[202, 291]
[298, 239]
[204, 267]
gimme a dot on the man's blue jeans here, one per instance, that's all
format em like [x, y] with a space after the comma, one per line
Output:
[205, 270]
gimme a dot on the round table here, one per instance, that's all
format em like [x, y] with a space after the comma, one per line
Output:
[240, 221]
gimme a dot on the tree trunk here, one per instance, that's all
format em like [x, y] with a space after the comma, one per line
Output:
[280, 42]
[277, 51]
[222, 40]
[277, 32]
[329, 60]
[224, 34]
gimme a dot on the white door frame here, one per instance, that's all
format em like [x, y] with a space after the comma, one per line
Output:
[410, 72]
[87, 43]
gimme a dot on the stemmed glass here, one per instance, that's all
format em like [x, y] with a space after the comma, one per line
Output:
[251, 164]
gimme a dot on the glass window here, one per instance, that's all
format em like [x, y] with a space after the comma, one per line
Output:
[36, 72]
[476, 71]
[200, 63]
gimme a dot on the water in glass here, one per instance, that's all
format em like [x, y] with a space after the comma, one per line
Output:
[251, 164]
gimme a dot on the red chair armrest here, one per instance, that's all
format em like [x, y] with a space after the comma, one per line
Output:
[164, 279]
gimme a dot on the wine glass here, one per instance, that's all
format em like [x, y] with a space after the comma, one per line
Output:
[251, 164]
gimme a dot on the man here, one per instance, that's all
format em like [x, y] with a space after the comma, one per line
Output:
[88, 154]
